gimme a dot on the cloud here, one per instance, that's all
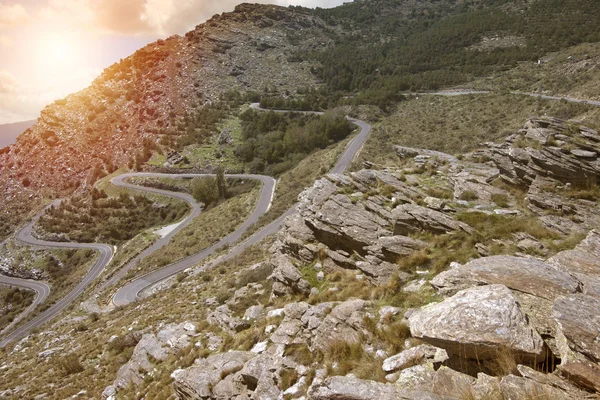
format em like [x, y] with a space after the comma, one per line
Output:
[5, 41]
[143, 17]
[12, 15]
[19, 102]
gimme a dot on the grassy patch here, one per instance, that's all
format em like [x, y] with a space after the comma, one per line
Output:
[209, 227]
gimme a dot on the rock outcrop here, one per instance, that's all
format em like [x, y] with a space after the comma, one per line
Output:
[478, 323]
[525, 275]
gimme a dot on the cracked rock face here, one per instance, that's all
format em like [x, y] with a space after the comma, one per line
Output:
[477, 323]
[583, 262]
[412, 218]
[521, 274]
[578, 317]
[576, 166]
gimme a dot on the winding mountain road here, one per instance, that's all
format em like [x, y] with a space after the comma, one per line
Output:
[131, 291]
[106, 252]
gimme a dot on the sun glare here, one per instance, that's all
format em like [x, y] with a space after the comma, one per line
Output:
[58, 49]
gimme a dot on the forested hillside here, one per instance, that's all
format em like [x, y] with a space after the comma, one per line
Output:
[388, 46]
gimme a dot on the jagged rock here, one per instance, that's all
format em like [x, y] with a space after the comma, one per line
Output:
[592, 155]
[253, 312]
[475, 183]
[49, 352]
[377, 273]
[583, 262]
[515, 387]
[261, 375]
[337, 222]
[476, 323]
[292, 238]
[134, 370]
[413, 356]
[522, 274]
[345, 323]
[396, 246]
[411, 218]
[579, 321]
[583, 373]
[209, 378]
[288, 277]
[168, 340]
[445, 382]
[530, 245]
[109, 393]
[351, 388]
[434, 203]
[259, 347]
[320, 325]
[409, 152]
[553, 380]
[222, 317]
[524, 165]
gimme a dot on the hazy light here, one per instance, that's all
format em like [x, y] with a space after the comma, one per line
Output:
[59, 51]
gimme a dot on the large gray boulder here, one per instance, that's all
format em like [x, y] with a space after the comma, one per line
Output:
[338, 222]
[525, 275]
[477, 323]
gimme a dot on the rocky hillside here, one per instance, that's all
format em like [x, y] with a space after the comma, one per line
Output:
[119, 119]
[444, 278]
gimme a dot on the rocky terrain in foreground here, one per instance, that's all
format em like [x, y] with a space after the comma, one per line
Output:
[444, 278]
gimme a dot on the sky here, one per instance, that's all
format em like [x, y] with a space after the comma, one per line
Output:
[51, 48]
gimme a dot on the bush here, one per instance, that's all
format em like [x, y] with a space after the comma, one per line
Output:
[70, 364]
[468, 195]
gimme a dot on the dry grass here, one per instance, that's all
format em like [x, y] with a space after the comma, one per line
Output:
[503, 363]
[342, 358]
[300, 353]
[203, 231]
[410, 263]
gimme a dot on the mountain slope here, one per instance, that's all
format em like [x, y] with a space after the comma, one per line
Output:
[9, 132]
[118, 120]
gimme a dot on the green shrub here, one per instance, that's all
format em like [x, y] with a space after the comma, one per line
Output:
[70, 364]
[468, 195]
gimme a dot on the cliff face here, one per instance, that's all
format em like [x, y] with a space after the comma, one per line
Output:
[122, 114]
